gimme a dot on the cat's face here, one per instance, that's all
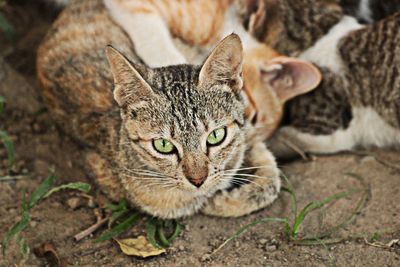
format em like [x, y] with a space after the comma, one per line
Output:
[185, 123]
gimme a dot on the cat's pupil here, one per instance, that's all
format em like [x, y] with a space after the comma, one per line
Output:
[163, 143]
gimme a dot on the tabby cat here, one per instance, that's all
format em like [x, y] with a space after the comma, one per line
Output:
[358, 101]
[182, 138]
[369, 11]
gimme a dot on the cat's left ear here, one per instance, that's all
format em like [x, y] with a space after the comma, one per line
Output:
[224, 64]
[290, 77]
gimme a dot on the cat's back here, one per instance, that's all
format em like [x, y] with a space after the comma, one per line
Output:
[372, 56]
[73, 69]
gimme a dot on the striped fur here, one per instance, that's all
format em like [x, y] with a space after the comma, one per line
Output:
[357, 104]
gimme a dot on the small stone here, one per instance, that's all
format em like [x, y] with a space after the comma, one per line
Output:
[36, 127]
[74, 203]
[274, 242]
[33, 224]
[263, 241]
[237, 244]
[367, 159]
[181, 248]
[91, 204]
[206, 257]
[270, 248]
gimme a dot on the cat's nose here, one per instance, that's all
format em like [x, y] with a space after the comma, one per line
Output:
[198, 181]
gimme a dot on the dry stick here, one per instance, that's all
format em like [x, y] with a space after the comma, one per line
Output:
[91, 229]
[296, 148]
[13, 177]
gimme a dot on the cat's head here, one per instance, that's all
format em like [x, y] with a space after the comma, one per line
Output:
[289, 26]
[272, 79]
[185, 123]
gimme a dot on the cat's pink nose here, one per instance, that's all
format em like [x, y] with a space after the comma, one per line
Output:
[197, 181]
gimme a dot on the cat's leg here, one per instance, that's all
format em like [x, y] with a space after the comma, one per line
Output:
[261, 190]
[289, 142]
[100, 169]
[149, 34]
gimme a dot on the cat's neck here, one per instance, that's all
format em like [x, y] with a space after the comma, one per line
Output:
[325, 52]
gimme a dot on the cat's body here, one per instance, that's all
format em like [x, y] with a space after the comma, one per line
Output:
[358, 102]
[369, 11]
[178, 107]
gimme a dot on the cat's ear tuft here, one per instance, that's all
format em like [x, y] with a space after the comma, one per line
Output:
[224, 64]
[129, 85]
[290, 77]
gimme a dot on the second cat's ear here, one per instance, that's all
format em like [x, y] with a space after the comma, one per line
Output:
[290, 77]
[224, 64]
[130, 86]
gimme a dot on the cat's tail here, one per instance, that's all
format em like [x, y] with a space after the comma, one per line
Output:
[73, 70]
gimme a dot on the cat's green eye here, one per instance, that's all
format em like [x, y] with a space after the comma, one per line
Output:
[163, 146]
[216, 137]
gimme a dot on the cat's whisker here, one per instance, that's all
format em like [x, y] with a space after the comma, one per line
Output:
[250, 168]
[248, 175]
[153, 174]
[243, 180]
[142, 171]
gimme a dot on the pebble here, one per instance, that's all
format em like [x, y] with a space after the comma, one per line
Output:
[181, 248]
[274, 242]
[270, 248]
[206, 257]
[263, 241]
[33, 224]
[367, 159]
[74, 203]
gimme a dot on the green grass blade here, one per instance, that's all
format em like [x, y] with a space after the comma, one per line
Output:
[122, 205]
[116, 215]
[177, 232]
[22, 245]
[316, 205]
[360, 205]
[2, 104]
[125, 225]
[292, 193]
[161, 235]
[7, 28]
[15, 230]
[42, 189]
[247, 226]
[9, 147]
[84, 187]
[151, 230]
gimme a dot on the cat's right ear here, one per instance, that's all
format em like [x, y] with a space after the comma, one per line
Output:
[224, 64]
[130, 86]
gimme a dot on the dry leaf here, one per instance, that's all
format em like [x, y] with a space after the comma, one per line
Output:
[48, 251]
[138, 247]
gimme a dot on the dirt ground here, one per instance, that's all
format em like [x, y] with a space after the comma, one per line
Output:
[40, 145]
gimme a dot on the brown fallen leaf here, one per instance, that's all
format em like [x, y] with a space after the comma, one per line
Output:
[138, 247]
[48, 251]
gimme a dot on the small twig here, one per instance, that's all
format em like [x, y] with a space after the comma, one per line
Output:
[91, 229]
[294, 147]
[13, 177]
